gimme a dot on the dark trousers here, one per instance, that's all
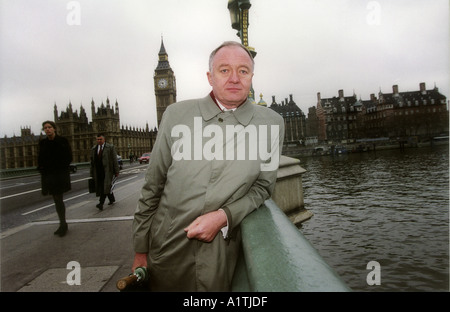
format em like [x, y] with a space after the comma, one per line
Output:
[100, 183]
[110, 197]
[60, 208]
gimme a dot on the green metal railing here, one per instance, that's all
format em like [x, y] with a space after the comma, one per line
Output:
[277, 257]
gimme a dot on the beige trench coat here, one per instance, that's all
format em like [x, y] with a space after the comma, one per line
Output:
[179, 189]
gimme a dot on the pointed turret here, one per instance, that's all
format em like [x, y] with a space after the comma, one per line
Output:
[55, 112]
[163, 58]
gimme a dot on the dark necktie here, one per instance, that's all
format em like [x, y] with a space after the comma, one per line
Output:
[100, 150]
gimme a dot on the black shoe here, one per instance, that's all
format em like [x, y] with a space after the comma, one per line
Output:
[99, 206]
[62, 230]
[111, 202]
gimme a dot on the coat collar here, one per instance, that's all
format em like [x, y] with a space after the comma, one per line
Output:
[209, 109]
[96, 146]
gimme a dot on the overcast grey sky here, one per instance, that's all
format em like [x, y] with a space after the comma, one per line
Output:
[56, 51]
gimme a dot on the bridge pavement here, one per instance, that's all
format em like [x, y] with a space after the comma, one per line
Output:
[94, 254]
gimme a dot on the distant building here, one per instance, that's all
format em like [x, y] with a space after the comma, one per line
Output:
[165, 83]
[312, 126]
[294, 121]
[105, 119]
[19, 152]
[338, 120]
[420, 114]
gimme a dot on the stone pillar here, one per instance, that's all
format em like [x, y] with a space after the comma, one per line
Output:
[288, 193]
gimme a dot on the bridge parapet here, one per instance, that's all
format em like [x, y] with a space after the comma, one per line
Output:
[276, 257]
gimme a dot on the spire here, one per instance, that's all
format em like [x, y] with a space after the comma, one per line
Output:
[162, 50]
[163, 58]
[93, 108]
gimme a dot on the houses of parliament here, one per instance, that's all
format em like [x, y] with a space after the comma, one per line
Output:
[22, 151]
[337, 120]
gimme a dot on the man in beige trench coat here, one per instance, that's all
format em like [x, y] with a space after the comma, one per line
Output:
[104, 167]
[214, 161]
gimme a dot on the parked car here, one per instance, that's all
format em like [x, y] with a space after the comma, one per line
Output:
[145, 158]
[73, 168]
[119, 160]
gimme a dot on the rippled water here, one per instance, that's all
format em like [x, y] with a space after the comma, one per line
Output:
[386, 206]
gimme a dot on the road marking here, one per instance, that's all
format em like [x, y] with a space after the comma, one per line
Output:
[124, 218]
[73, 197]
[35, 190]
[19, 194]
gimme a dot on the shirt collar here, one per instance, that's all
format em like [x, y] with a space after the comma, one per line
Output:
[223, 108]
[209, 108]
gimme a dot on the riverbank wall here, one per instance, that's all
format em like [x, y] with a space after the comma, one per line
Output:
[297, 151]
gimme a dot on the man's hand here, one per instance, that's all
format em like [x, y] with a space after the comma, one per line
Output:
[206, 227]
[140, 260]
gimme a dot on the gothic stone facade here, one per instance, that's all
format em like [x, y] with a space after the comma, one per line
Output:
[20, 152]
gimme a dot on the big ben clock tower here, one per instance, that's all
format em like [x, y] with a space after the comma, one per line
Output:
[165, 86]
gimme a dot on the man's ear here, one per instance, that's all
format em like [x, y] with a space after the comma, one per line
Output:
[208, 74]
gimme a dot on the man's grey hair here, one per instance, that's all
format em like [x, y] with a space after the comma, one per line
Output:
[228, 44]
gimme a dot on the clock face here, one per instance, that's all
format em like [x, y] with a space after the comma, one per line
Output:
[162, 83]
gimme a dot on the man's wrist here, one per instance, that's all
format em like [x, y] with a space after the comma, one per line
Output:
[224, 229]
[223, 213]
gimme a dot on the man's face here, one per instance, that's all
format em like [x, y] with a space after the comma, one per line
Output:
[100, 140]
[231, 76]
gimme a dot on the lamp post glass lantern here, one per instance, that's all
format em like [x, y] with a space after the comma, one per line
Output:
[239, 12]
[239, 15]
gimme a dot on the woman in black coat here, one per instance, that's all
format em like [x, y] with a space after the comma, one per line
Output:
[55, 156]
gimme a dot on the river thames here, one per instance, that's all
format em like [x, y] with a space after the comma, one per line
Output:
[388, 206]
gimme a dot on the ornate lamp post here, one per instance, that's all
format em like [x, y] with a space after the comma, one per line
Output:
[239, 11]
